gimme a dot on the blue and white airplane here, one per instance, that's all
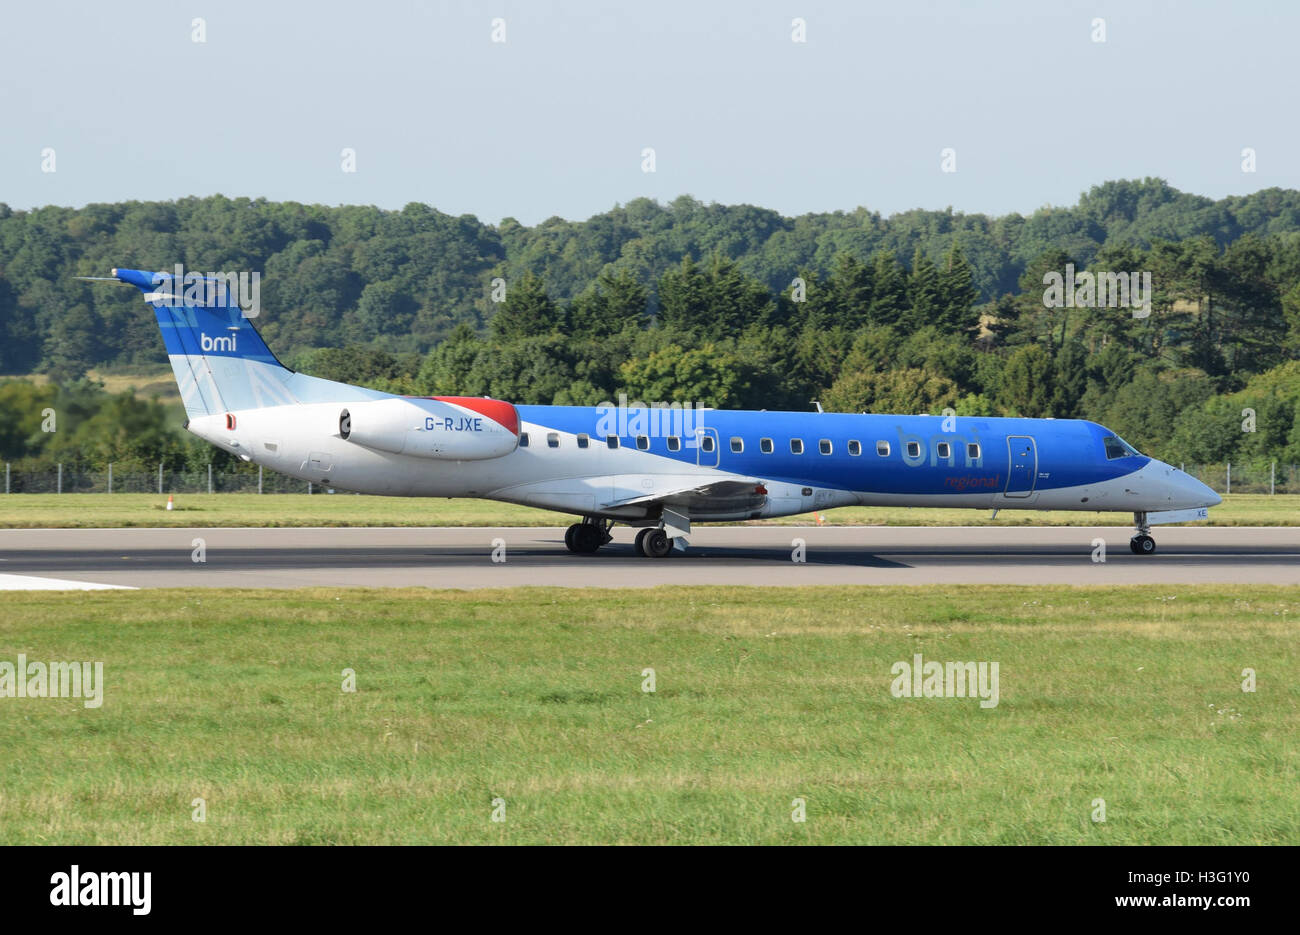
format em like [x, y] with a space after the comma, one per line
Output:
[656, 468]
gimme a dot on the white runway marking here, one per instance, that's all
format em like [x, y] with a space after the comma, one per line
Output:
[29, 583]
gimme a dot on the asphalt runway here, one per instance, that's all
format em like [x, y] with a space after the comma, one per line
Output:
[725, 555]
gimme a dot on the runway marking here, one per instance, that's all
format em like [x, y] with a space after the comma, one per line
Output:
[30, 583]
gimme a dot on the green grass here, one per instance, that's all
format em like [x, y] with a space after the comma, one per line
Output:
[87, 510]
[763, 695]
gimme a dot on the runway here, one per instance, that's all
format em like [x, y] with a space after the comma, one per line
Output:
[723, 555]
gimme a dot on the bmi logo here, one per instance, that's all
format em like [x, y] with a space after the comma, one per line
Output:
[224, 343]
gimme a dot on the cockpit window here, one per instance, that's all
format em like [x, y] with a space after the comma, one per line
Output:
[1116, 447]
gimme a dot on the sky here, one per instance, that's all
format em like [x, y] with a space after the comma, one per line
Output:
[869, 110]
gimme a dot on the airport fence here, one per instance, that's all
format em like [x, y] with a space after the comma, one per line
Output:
[63, 480]
[1266, 477]
[1257, 477]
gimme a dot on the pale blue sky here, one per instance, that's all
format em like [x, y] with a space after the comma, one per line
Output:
[553, 121]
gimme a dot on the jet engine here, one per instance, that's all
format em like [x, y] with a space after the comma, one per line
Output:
[446, 428]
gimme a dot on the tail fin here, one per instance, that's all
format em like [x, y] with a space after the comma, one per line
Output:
[220, 361]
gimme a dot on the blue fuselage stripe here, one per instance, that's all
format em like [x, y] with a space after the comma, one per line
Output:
[1063, 453]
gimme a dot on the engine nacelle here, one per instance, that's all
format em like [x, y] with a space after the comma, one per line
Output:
[448, 428]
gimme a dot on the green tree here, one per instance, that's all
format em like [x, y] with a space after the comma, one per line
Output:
[1027, 385]
[850, 291]
[447, 369]
[925, 302]
[889, 298]
[1069, 379]
[703, 376]
[616, 301]
[957, 293]
[908, 390]
[527, 311]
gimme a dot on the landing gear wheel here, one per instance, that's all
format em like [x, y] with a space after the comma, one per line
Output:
[1142, 545]
[656, 544]
[584, 538]
[639, 544]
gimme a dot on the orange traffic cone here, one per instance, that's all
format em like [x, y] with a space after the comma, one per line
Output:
[169, 501]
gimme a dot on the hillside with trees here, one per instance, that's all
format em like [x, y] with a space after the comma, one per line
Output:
[724, 305]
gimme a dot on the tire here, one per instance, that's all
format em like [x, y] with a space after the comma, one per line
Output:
[571, 537]
[639, 543]
[1142, 545]
[587, 538]
[657, 544]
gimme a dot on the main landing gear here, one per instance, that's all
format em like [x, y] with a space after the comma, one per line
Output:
[653, 543]
[586, 537]
[1142, 543]
[668, 537]
[660, 541]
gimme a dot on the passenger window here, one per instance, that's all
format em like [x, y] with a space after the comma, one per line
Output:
[914, 449]
[944, 450]
[583, 440]
[882, 449]
[824, 446]
[796, 446]
[737, 445]
[611, 441]
[642, 442]
[706, 443]
[973, 451]
[523, 439]
[765, 445]
[674, 443]
[552, 439]
[855, 447]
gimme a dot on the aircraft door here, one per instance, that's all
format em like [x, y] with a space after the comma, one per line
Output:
[1022, 470]
[707, 448]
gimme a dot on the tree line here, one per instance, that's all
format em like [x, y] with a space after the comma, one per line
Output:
[723, 305]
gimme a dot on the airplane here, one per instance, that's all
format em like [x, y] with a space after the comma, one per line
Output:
[658, 469]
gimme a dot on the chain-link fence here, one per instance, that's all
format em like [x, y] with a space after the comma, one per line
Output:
[63, 480]
[1260, 477]
[1267, 477]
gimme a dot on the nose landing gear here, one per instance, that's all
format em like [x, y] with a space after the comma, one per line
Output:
[1142, 543]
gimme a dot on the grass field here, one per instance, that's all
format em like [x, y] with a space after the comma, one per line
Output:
[144, 382]
[534, 696]
[86, 510]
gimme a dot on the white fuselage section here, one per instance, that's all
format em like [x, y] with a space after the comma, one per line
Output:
[305, 441]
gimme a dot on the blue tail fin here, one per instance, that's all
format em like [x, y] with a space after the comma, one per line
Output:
[220, 361]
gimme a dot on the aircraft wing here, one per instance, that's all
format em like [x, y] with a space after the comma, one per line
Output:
[689, 490]
[694, 493]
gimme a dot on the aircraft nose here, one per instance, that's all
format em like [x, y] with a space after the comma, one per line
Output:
[1189, 492]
